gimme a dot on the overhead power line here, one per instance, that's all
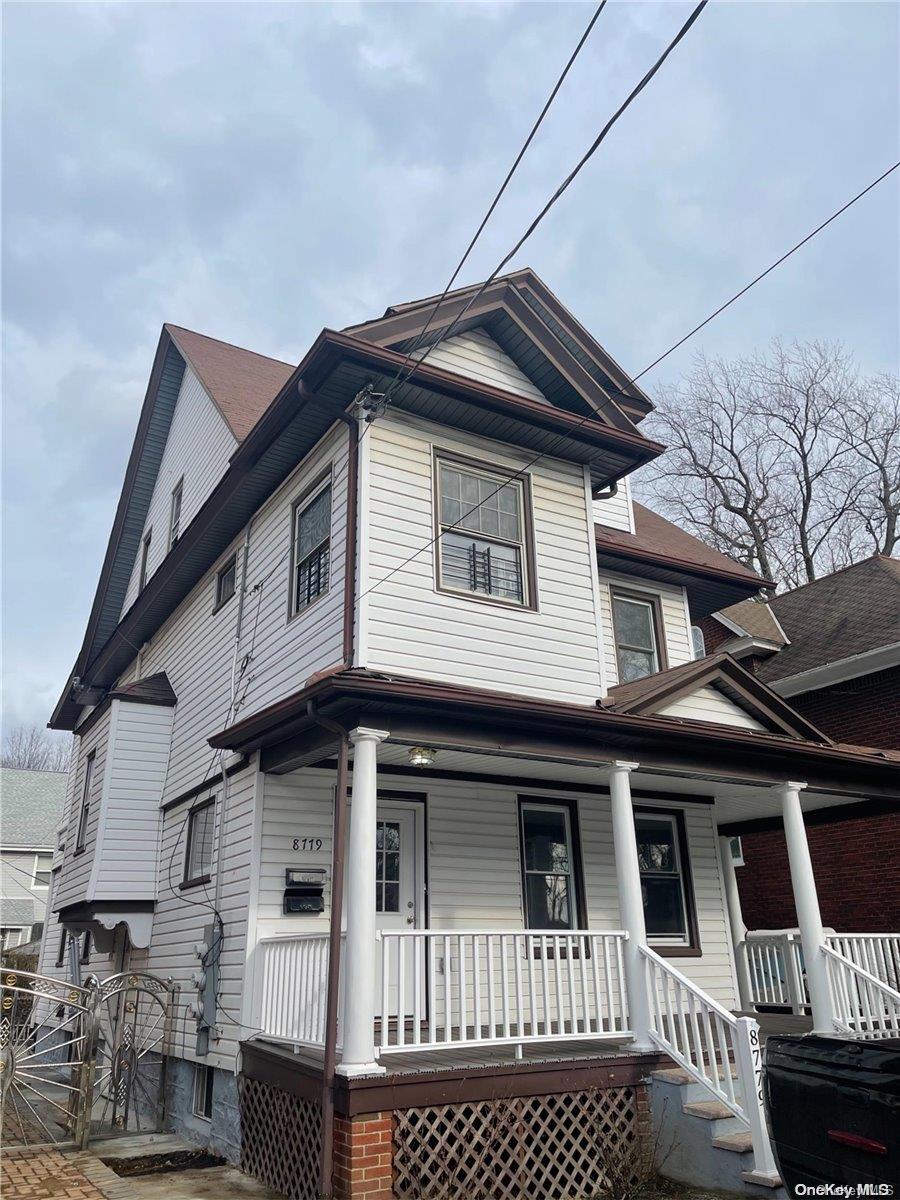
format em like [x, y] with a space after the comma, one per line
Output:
[402, 377]
[632, 379]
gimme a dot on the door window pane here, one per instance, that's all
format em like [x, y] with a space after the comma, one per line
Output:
[387, 866]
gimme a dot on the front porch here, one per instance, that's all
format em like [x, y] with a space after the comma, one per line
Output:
[427, 967]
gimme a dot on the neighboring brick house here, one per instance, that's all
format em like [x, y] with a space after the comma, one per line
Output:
[832, 647]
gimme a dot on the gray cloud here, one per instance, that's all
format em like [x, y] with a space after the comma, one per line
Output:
[259, 171]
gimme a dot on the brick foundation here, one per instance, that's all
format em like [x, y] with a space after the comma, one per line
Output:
[363, 1156]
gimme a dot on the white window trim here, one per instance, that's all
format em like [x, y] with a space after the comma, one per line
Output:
[662, 939]
[654, 603]
[41, 887]
[538, 806]
[201, 1073]
[501, 476]
[736, 852]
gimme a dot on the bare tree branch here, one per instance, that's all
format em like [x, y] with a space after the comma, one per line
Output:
[31, 748]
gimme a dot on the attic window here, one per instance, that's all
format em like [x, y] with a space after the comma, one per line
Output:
[484, 533]
[175, 514]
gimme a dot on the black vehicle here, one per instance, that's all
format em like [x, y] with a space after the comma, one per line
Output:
[834, 1110]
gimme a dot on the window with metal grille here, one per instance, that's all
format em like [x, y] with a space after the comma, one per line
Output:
[482, 549]
[85, 813]
[312, 548]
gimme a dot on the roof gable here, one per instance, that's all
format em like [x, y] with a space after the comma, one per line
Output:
[532, 327]
[477, 356]
[669, 693]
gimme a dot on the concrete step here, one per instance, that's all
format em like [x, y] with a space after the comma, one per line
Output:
[739, 1142]
[708, 1110]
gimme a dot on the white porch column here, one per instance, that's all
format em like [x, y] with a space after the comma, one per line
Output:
[358, 1055]
[631, 904]
[737, 926]
[806, 901]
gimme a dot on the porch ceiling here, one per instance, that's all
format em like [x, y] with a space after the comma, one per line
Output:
[734, 802]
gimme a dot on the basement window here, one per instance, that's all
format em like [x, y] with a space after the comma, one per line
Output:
[311, 548]
[204, 1080]
[485, 536]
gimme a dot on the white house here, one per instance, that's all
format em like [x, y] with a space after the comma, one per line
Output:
[417, 681]
[31, 806]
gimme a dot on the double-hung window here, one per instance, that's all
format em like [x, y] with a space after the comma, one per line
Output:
[661, 861]
[483, 533]
[637, 624]
[312, 548]
[84, 815]
[175, 513]
[199, 849]
[43, 865]
[549, 865]
[226, 580]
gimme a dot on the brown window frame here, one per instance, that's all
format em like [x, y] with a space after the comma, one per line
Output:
[84, 811]
[323, 482]
[529, 602]
[654, 601]
[189, 881]
[570, 804]
[691, 947]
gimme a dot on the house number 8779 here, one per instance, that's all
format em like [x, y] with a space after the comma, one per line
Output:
[306, 843]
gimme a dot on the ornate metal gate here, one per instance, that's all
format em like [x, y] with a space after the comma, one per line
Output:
[79, 1062]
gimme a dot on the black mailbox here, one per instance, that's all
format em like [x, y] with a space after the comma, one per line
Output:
[304, 890]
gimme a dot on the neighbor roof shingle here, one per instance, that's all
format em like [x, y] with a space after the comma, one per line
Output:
[241, 383]
[847, 613]
[32, 806]
[756, 618]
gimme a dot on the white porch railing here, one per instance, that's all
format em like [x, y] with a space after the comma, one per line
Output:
[717, 1049]
[877, 953]
[775, 966]
[864, 1005]
[471, 988]
[294, 988]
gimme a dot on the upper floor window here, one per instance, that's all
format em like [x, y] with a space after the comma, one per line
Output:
[698, 642]
[199, 849]
[43, 865]
[549, 865]
[175, 513]
[312, 548]
[226, 579]
[145, 556]
[637, 623]
[85, 813]
[485, 534]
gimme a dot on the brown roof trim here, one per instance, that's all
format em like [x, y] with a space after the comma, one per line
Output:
[648, 695]
[155, 689]
[617, 549]
[269, 725]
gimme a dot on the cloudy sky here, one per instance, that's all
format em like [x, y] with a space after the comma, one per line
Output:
[260, 171]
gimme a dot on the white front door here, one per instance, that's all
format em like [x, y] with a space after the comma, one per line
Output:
[399, 884]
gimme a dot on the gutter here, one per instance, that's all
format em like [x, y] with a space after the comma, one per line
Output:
[867, 663]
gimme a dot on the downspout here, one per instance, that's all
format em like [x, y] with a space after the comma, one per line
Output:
[326, 1166]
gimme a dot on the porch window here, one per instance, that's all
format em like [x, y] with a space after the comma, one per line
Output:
[84, 815]
[659, 844]
[637, 624]
[548, 866]
[311, 549]
[483, 531]
[198, 852]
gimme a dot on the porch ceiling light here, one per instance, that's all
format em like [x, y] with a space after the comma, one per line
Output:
[421, 756]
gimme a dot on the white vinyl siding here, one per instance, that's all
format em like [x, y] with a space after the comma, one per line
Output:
[196, 649]
[708, 704]
[617, 512]
[197, 450]
[75, 872]
[476, 355]
[125, 854]
[474, 865]
[415, 630]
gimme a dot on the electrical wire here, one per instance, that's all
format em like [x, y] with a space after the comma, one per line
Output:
[633, 379]
[402, 378]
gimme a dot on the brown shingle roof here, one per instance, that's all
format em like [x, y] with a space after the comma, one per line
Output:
[241, 383]
[658, 538]
[756, 618]
[852, 611]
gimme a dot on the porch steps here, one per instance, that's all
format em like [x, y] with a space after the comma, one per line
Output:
[700, 1141]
